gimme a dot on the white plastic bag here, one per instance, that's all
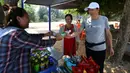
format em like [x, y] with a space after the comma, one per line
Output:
[54, 53]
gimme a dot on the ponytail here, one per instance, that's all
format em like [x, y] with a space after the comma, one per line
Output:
[11, 18]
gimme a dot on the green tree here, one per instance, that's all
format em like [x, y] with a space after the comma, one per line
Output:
[31, 12]
[45, 18]
[109, 8]
[61, 14]
[58, 13]
[43, 12]
[55, 14]
[71, 11]
[2, 2]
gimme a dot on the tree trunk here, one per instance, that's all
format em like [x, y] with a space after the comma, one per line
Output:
[123, 36]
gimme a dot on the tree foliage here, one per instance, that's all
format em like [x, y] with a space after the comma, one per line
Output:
[109, 8]
[30, 10]
[2, 2]
[55, 14]
[42, 13]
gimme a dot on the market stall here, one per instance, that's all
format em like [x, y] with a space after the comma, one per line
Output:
[43, 61]
[46, 61]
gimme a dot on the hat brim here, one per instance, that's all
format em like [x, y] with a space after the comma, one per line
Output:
[86, 9]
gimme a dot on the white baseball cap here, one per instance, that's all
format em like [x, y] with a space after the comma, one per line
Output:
[92, 5]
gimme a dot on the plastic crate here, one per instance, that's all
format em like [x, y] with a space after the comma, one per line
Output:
[51, 69]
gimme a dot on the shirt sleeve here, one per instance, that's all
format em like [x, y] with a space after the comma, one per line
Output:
[106, 23]
[22, 39]
[37, 35]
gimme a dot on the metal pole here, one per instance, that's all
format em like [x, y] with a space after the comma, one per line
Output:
[22, 3]
[49, 19]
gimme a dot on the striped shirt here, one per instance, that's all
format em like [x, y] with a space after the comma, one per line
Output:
[15, 50]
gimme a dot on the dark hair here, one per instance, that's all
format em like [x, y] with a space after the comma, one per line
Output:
[5, 7]
[11, 18]
[69, 16]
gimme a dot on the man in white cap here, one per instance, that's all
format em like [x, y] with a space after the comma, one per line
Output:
[98, 35]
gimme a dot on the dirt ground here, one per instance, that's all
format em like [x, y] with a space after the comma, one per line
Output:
[124, 67]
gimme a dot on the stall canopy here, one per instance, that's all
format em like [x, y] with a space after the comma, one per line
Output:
[58, 4]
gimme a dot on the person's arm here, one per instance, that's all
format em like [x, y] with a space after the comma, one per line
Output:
[109, 42]
[37, 35]
[108, 36]
[42, 35]
[22, 39]
[48, 34]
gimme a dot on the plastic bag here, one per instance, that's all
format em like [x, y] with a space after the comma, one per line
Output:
[54, 53]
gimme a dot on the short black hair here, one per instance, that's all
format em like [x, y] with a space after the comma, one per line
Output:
[69, 16]
[11, 18]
